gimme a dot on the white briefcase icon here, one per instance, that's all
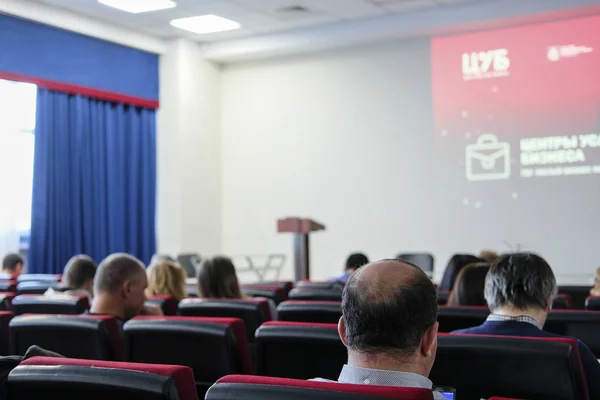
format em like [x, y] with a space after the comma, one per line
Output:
[488, 159]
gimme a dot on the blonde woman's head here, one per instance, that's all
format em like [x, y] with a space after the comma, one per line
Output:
[166, 278]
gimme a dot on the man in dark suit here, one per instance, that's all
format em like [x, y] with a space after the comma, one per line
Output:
[519, 289]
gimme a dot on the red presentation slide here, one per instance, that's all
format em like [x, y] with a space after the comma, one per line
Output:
[521, 102]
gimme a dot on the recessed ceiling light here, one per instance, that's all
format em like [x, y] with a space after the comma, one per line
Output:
[139, 6]
[205, 24]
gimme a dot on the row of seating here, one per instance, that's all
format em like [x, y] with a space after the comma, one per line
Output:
[76, 379]
[569, 296]
[584, 325]
[477, 366]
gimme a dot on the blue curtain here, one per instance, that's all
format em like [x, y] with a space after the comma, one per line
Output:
[93, 182]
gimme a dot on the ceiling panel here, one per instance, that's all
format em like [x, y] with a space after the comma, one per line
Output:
[255, 16]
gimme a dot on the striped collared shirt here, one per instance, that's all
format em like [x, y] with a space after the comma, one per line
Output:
[520, 318]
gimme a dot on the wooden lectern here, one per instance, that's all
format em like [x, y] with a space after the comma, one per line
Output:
[300, 227]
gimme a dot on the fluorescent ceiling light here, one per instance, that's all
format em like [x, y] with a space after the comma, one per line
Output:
[205, 24]
[139, 6]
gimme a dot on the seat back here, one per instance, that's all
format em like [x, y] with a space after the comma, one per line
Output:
[8, 285]
[254, 312]
[37, 287]
[481, 366]
[592, 303]
[212, 347]
[5, 317]
[285, 285]
[299, 350]
[422, 260]
[73, 379]
[6, 299]
[167, 304]
[95, 337]
[268, 388]
[320, 285]
[578, 295]
[328, 312]
[453, 318]
[583, 325]
[308, 293]
[561, 301]
[56, 304]
[39, 278]
[274, 293]
[442, 297]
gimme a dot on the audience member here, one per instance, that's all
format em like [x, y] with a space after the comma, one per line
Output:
[455, 265]
[596, 289]
[12, 265]
[489, 256]
[156, 258]
[78, 276]
[469, 286]
[119, 288]
[519, 289]
[217, 279]
[389, 325]
[353, 262]
[166, 278]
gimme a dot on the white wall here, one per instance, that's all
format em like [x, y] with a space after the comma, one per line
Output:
[326, 136]
[188, 152]
[346, 137]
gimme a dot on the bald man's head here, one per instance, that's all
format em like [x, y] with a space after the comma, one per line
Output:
[387, 307]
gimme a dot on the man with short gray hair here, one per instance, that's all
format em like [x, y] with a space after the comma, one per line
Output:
[119, 288]
[519, 289]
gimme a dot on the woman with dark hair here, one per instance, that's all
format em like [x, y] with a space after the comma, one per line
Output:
[217, 279]
[455, 265]
[469, 287]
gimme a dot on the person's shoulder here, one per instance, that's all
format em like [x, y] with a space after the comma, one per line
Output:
[468, 331]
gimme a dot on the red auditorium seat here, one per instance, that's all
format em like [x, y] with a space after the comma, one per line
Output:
[443, 296]
[309, 293]
[6, 301]
[9, 285]
[274, 293]
[328, 312]
[37, 287]
[320, 285]
[212, 347]
[254, 312]
[167, 304]
[57, 304]
[262, 387]
[502, 398]
[592, 303]
[79, 336]
[285, 285]
[581, 324]
[5, 317]
[562, 301]
[453, 318]
[300, 350]
[578, 295]
[73, 379]
[481, 366]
